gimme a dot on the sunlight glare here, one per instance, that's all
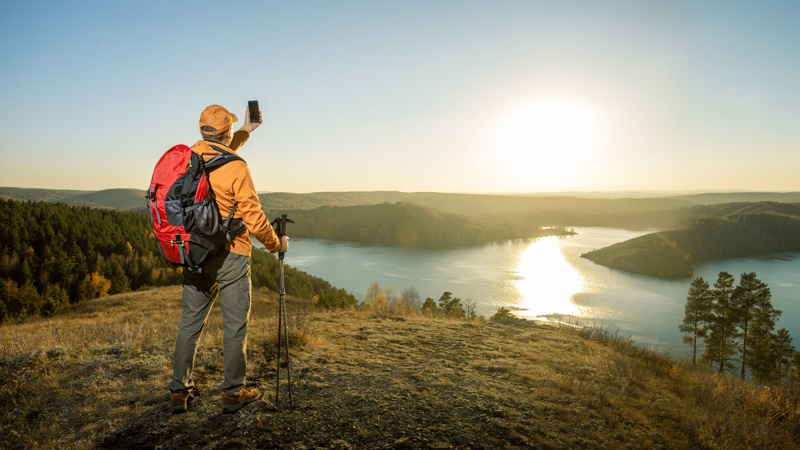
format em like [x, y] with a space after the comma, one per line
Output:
[548, 281]
[546, 143]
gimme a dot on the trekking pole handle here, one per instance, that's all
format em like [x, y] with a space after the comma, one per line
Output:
[279, 224]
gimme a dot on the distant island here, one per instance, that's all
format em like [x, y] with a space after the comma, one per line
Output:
[671, 254]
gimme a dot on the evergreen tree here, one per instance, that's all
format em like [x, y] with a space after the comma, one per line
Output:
[8, 294]
[27, 302]
[784, 351]
[445, 300]
[119, 281]
[451, 306]
[502, 314]
[761, 358]
[721, 341]
[749, 299]
[697, 314]
[430, 306]
[54, 298]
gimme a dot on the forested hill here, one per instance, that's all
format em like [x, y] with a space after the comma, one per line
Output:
[471, 205]
[741, 197]
[108, 198]
[566, 210]
[465, 204]
[53, 254]
[634, 218]
[670, 254]
[405, 225]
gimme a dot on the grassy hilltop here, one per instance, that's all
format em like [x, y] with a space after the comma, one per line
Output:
[96, 375]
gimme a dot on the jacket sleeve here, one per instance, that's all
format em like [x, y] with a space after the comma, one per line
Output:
[239, 138]
[249, 206]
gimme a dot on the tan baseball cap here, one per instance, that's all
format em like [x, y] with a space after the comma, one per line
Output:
[218, 118]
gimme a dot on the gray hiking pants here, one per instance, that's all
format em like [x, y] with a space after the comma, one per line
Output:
[226, 275]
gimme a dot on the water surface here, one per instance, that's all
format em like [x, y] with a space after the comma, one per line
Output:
[546, 277]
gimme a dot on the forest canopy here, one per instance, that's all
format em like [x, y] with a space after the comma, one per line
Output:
[54, 254]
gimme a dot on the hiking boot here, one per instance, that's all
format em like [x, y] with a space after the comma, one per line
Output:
[179, 401]
[233, 403]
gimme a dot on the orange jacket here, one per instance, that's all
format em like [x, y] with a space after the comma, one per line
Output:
[233, 184]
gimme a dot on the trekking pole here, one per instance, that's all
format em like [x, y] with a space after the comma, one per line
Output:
[279, 224]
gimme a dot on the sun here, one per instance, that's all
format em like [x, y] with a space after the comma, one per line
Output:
[546, 143]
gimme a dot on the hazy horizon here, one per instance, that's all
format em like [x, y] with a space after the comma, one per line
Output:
[653, 193]
[454, 96]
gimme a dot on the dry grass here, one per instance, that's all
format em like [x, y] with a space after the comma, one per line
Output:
[96, 377]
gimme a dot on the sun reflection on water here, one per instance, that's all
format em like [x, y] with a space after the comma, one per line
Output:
[546, 281]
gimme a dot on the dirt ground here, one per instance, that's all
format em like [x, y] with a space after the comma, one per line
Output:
[367, 382]
[96, 377]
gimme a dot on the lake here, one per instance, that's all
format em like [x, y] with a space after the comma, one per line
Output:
[547, 276]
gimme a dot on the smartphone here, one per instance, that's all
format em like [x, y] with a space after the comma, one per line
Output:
[255, 114]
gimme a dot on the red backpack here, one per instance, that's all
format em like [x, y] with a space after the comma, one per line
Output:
[185, 215]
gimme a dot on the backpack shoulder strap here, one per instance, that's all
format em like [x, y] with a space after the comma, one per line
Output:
[223, 157]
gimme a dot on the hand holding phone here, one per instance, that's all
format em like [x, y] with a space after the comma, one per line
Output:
[255, 113]
[252, 118]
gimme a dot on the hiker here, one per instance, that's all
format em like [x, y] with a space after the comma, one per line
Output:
[226, 274]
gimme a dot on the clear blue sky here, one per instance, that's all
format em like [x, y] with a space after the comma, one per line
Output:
[410, 95]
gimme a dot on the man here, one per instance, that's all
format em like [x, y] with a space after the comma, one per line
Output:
[227, 273]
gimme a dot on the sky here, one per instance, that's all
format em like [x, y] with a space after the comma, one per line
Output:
[449, 96]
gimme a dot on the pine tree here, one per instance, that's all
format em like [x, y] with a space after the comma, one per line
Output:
[761, 358]
[119, 281]
[54, 298]
[430, 306]
[451, 306]
[697, 314]
[721, 341]
[749, 298]
[784, 351]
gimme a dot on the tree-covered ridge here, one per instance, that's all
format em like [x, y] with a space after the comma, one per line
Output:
[405, 224]
[674, 218]
[669, 254]
[617, 210]
[107, 198]
[55, 254]
[473, 205]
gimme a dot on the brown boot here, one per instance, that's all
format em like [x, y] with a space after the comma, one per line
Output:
[245, 396]
[179, 401]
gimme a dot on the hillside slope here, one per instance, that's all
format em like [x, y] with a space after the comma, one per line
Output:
[406, 225]
[96, 377]
[670, 254]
